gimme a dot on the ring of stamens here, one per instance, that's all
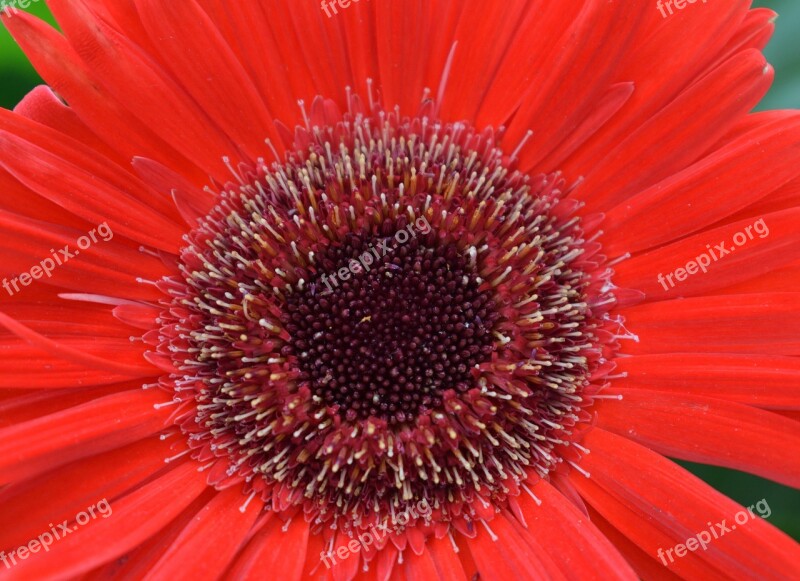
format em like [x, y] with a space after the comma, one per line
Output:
[454, 371]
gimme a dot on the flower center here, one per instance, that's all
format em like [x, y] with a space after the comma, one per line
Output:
[389, 324]
[391, 316]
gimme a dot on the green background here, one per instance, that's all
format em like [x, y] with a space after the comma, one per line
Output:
[17, 78]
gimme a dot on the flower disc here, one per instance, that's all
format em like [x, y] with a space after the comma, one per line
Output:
[392, 318]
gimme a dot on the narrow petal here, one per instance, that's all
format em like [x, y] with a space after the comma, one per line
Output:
[475, 62]
[165, 107]
[644, 565]
[508, 553]
[216, 533]
[721, 257]
[32, 404]
[206, 67]
[754, 32]
[82, 193]
[92, 428]
[711, 431]
[315, 33]
[680, 133]
[658, 504]
[544, 39]
[133, 519]
[77, 350]
[764, 381]
[598, 33]
[708, 191]
[571, 540]
[58, 63]
[661, 40]
[422, 567]
[281, 552]
[29, 506]
[447, 560]
[754, 323]
[784, 279]
[261, 55]
[44, 106]
[650, 538]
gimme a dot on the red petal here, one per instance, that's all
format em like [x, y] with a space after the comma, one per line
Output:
[708, 191]
[280, 552]
[344, 568]
[773, 243]
[44, 106]
[606, 106]
[29, 506]
[764, 381]
[648, 537]
[133, 519]
[139, 316]
[755, 31]
[32, 404]
[571, 540]
[758, 323]
[475, 62]
[86, 195]
[313, 568]
[447, 561]
[137, 562]
[71, 153]
[598, 34]
[680, 133]
[207, 68]
[711, 431]
[27, 243]
[63, 70]
[69, 435]
[784, 198]
[512, 555]
[644, 565]
[117, 64]
[216, 533]
[76, 350]
[658, 504]
[422, 567]
[661, 40]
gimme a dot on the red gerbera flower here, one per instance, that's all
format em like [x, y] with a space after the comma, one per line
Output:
[392, 290]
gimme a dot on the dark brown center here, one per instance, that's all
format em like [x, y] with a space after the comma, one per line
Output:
[389, 324]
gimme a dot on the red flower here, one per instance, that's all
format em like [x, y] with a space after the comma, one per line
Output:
[446, 321]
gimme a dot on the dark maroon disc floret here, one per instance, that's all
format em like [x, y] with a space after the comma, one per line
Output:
[404, 326]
